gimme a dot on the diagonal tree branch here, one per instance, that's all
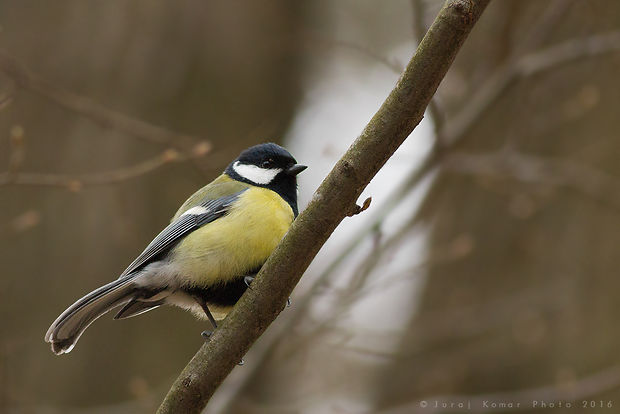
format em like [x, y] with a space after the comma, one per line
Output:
[333, 201]
[419, 30]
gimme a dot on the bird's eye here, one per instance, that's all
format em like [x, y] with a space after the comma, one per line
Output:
[267, 164]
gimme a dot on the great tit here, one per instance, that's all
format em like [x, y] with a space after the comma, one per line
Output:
[204, 259]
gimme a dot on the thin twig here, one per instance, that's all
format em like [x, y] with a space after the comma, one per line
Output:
[492, 88]
[543, 28]
[76, 183]
[392, 64]
[547, 298]
[532, 64]
[553, 171]
[26, 79]
[360, 286]
[503, 76]
[457, 249]
[525, 66]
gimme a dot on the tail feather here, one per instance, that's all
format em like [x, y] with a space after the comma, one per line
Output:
[136, 307]
[69, 326]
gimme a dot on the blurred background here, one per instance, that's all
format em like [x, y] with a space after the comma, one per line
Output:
[484, 277]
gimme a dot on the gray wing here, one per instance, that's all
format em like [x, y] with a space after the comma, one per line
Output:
[193, 218]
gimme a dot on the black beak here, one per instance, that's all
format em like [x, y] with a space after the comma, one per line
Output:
[295, 169]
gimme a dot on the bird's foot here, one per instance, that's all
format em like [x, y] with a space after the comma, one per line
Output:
[248, 281]
[206, 335]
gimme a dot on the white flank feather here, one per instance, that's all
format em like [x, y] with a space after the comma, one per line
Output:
[195, 211]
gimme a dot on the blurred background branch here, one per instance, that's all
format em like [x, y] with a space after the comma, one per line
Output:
[77, 183]
[526, 66]
[589, 181]
[26, 79]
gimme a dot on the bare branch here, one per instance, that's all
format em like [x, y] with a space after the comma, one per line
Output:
[26, 79]
[489, 93]
[544, 26]
[391, 64]
[532, 64]
[391, 125]
[525, 66]
[576, 49]
[457, 249]
[76, 183]
[504, 76]
[359, 287]
[528, 168]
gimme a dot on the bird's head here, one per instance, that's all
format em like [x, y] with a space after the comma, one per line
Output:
[270, 166]
[265, 165]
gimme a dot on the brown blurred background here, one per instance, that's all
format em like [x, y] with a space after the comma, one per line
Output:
[513, 289]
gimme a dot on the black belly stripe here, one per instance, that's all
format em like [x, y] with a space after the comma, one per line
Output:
[222, 294]
[225, 294]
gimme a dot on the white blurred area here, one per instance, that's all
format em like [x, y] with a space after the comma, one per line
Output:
[340, 100]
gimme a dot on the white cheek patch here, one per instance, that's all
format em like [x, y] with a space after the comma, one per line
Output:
[256, 174]
[195, 211]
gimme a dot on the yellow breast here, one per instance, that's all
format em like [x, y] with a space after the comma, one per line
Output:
[236, 243]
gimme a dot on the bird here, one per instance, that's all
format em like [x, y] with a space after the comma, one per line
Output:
[206, 258]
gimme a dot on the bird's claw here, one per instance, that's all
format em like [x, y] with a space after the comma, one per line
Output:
[248, 281]
[206, 335]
